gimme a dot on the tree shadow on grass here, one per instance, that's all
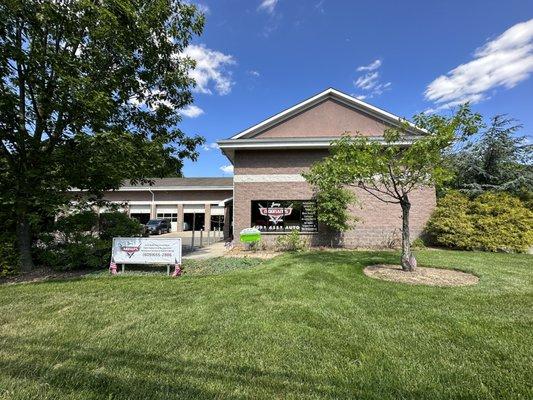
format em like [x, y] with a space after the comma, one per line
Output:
[83, 371]
[352, 258]
[71, 368]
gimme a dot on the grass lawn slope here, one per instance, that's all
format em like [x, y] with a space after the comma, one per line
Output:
[300, 326]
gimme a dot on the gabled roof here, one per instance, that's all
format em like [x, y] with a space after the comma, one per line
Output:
[329, 93]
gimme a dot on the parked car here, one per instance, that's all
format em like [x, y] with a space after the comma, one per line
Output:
[158, 226]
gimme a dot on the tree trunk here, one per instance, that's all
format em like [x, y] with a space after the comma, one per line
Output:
[24, 244]
[408, 259]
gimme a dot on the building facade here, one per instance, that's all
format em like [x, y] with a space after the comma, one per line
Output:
[270, 193]
[199, 203]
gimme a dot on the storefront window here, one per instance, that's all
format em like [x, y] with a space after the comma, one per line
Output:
[284, 215]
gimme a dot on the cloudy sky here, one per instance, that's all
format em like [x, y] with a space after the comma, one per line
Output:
[258, 57]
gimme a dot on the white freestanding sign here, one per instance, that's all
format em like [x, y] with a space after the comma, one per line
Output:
[140, 250]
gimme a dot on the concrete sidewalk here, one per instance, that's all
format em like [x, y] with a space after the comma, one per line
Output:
[214, 250]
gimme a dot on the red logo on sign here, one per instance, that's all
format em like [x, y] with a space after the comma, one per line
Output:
[130, 250]
[275, 212]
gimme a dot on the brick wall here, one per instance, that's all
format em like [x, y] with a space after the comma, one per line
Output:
[378, 223]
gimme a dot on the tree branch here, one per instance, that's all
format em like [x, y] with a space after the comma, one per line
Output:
[369, 191]
[393, 181]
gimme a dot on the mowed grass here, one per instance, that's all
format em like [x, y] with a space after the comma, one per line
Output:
[298, 326]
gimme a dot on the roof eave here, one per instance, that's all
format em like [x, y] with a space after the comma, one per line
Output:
[171, 188]
[229, 146]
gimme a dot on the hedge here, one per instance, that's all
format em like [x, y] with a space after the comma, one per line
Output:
[496, 222]
[83, 240]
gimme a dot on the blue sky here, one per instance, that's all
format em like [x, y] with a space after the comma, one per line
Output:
[258, 57]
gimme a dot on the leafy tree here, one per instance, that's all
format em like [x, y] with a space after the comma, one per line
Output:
[389, 170]
[497, 160]
[89, 96]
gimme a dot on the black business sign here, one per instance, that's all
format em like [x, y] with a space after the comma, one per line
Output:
[285, 215]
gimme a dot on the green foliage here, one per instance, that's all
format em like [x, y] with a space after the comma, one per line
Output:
[73, 224]
[116, 224]
[90, 96]
[292, 241]
[490, 222]
[8, 255]
[418, 243]
[83, 240]
[497, 160]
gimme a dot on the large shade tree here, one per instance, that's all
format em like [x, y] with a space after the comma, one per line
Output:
[406, 159]
[90, 92]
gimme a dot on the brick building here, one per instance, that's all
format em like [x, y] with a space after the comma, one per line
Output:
[200, 203]
[269, 192]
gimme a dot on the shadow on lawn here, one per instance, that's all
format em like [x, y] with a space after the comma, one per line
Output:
[75, 367]
[352, 258]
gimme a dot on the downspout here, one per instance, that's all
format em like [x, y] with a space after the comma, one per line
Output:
[153, 214]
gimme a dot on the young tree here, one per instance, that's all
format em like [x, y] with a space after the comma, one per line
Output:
[498, 160]
[89, 96]
[390, 169]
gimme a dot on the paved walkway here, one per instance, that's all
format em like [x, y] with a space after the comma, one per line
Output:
[214, 250]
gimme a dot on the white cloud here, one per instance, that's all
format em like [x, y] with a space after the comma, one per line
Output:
[268, 6]
[370, 80]
[370, 67]
[502, 62]
[210, 69]
[210, 146]
[367, 81]
[191, 111]
[254, 73]
[227, 169]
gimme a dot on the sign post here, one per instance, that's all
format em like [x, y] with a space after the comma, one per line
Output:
[137, 250]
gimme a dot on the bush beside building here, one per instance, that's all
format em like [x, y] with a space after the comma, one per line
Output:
[496, 222]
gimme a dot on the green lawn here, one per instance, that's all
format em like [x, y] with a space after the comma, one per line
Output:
[299, 326]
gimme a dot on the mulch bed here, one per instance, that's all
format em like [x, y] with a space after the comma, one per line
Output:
[421, 275]
[43, 274]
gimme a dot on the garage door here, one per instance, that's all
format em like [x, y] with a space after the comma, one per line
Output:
[170, 213]
[194, 208]
[140, 209]
[217, 210]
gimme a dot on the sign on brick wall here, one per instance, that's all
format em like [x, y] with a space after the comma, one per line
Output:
[284, 216]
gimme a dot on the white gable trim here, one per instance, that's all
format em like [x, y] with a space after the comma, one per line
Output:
[333, 93]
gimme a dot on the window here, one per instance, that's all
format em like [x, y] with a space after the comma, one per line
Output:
[284, 216]
[172, 217]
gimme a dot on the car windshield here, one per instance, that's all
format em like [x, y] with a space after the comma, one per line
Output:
[153, 222]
